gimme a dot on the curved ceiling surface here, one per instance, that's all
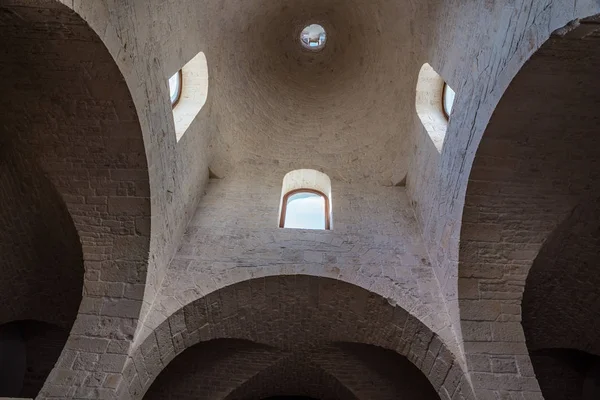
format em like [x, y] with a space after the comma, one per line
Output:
[347, 109]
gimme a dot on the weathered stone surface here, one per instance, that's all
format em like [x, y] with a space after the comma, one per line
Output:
[99, 200]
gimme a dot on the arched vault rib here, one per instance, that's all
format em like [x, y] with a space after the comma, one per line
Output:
[67, 106]
[537, 160]
[292, 312]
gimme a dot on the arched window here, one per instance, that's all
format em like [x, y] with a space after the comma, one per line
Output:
[448, 100]
[305, 209]
[188, 89]
[175, 87]
[433, 101]
[305, 200]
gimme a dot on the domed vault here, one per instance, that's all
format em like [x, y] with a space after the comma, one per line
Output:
[347, 109]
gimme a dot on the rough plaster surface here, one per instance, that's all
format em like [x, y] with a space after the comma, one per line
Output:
[272, 109]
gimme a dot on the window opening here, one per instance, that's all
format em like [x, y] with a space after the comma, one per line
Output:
[188, 89]
[448, 99]
[433, 103]
[175, 87]
[305, 209]
[313, 37]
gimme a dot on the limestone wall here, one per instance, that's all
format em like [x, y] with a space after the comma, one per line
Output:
[478, 48]
[105, 137]
[375, 244]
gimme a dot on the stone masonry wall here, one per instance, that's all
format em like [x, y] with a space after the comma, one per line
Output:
[233, 370]
[211, 370]
[536, 162]
[40, 253]
[44, 344]
[65, 102]
[477, 47]
[149, 41]
[562, 373]
[561, 286]
[293, 313]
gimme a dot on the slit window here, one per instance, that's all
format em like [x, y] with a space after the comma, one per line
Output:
[175, 87]
[448, 99]
[188, 91]
[305, 209]
[434, 100]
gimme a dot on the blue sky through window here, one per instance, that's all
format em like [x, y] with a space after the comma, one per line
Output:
[305, 210]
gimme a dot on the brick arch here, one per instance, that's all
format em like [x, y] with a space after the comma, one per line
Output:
[537, 160]
[293, 376]
[67, 106]
[271, 310]
[238, 369]
[338, 371]
[230, 368]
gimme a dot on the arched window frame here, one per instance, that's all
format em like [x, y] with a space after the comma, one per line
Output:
[175, 101]
[305, 190]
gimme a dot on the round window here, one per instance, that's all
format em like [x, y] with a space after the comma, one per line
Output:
[313, 37]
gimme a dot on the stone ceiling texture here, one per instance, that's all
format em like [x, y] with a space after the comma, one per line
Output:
[78, 193]
[235, 369]
[537, 162]
[348, 109]
[295, 314]
[83, 90]
[67, 107]
[566, 271]
[241, 370]
[561, 308]
[41, 258]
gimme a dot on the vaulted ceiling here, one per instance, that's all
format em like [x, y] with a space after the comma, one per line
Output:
[348, 109]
